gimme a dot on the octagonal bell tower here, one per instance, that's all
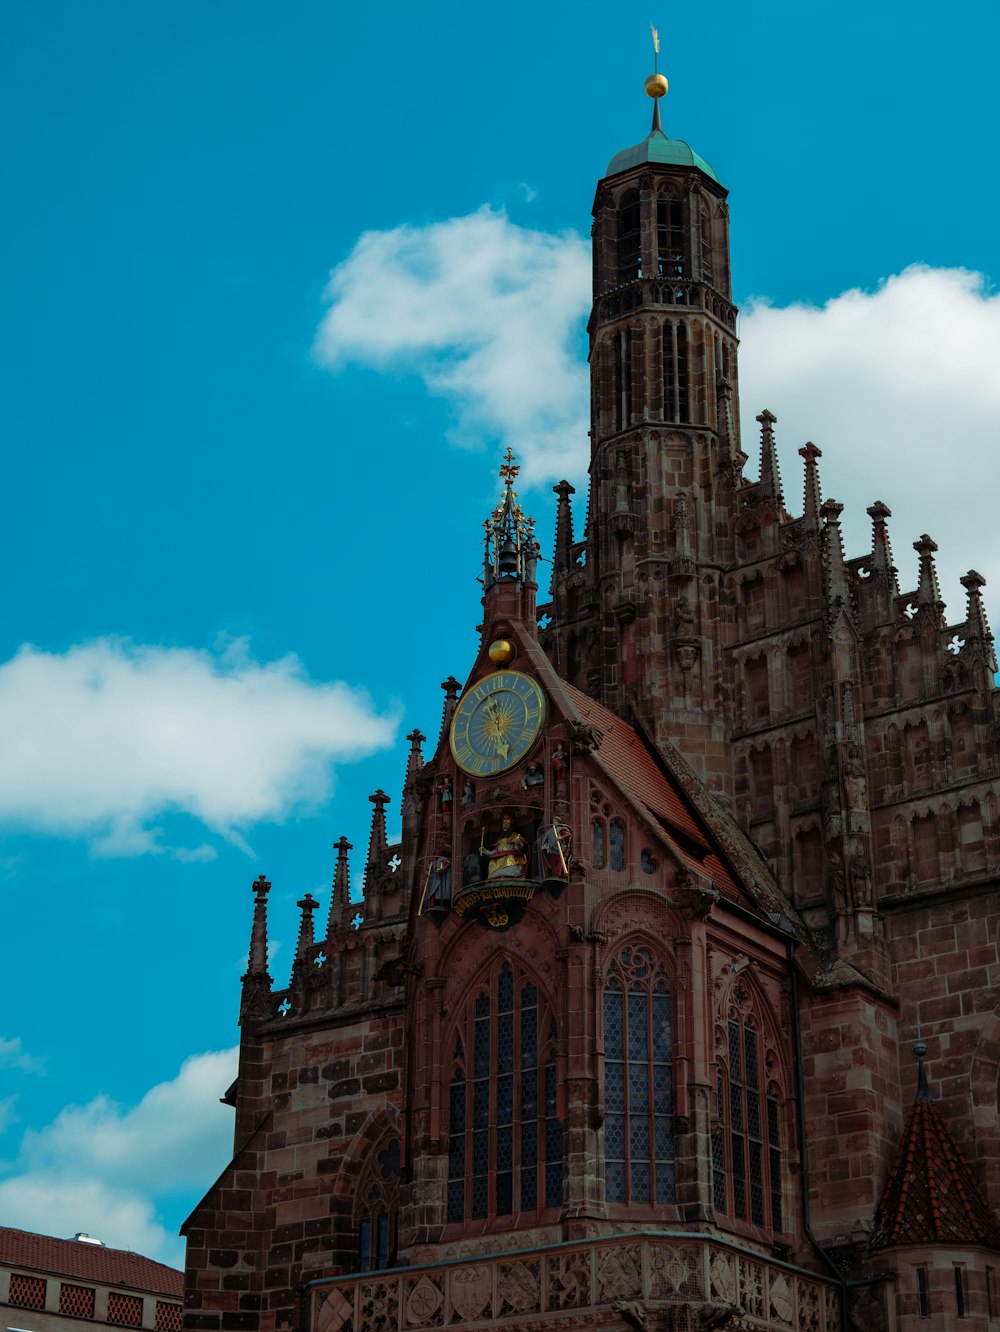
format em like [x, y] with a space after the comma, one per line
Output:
[635, 613]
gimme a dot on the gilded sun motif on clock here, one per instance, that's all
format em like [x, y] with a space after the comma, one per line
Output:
[496, 723]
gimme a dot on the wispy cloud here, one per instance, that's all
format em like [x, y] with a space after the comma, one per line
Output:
[104, 1168]
[489, 314]
[14, 1056]
[104, 738]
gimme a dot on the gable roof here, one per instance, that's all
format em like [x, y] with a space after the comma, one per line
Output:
[931, 1195]
[88, 1262]
[634, 768]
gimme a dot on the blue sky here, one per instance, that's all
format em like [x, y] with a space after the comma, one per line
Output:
[243, 499]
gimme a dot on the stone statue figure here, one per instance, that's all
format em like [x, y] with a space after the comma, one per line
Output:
[554, 843]
[509, 857]
[439, 881]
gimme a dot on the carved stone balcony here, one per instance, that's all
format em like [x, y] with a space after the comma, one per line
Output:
[676, 1282]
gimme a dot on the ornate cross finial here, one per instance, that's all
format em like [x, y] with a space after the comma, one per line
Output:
[509, 469]
[306, 905]
[340, 898]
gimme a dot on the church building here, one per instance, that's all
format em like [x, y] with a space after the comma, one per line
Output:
[678, 1004]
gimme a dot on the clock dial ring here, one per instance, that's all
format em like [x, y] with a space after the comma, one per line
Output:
[496, 723]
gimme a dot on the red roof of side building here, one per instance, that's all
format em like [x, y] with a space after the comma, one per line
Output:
[88, 1262]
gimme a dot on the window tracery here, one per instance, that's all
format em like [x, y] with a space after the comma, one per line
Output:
[505, 1136]
[376, 1208]
[638, 1079]
[747, 1136]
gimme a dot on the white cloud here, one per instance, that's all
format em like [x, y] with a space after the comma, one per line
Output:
[899, 388]
[13, 1055]
[102, 739]
[104, 1168]
[489, 314]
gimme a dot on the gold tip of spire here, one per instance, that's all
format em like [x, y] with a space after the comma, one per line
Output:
[656, 85]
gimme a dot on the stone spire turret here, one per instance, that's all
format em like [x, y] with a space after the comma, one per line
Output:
[837, 588]
[813, 497]
[978, 636]
[451, 688]
[881, 561]
[563, 557]
[255, 1001]
[770, 476]
[929, 599]
[306, 905]
[340, 896]
[377, 841]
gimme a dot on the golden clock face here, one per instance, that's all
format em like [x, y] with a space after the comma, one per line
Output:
[496, 723]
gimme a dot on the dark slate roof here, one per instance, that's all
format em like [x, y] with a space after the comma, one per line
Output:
[88, 1262]
[931, 1195]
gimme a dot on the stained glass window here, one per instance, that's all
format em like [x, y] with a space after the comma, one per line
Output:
[505, 1136]
[616, 841]
[746, 1144]
[376, 1206]
[638, 1081]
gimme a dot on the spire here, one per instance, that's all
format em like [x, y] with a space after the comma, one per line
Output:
[511, 548]
[340, 897]
[928, 590]
[770, 477]
[977, 627]
[881, 549]
[255, 999]
[415, 758]
[656, 84]
[307, 905]
[931, 1195]
[837, 590]
[451, 686]
[813, 499]
[257, 960]
[563, 558]
[377, 842]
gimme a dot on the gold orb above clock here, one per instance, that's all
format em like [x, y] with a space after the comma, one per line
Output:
[496, 723]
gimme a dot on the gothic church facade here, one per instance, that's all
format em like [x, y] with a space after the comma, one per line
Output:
[623, 1031]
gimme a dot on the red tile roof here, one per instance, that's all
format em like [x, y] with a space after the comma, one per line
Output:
[88, 1262]
[630, 762]
[931, 1194]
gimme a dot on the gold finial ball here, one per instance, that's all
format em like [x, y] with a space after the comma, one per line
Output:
[656, 85]
[502, 651]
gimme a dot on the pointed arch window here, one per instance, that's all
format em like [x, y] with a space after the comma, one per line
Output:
[669, 237]
[376, 1208]
[746, 1143]
[504, 1132]
[638, 1080]
[675, 371]
[629, 238]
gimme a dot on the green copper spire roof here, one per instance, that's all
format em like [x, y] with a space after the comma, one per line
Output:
[658, 148]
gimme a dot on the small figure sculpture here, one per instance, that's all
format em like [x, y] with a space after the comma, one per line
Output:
[446, 792]
[509, 858]
[533, 777]
[554, 843]
[559, 768]
[472, 868]
[468, 794]
[439, 881]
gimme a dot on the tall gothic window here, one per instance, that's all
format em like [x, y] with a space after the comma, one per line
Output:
[629, 238]
[705, 220]
[638, 1080]
[505, 1137]
[675, 371]
[746, 1145]
[669, 237]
